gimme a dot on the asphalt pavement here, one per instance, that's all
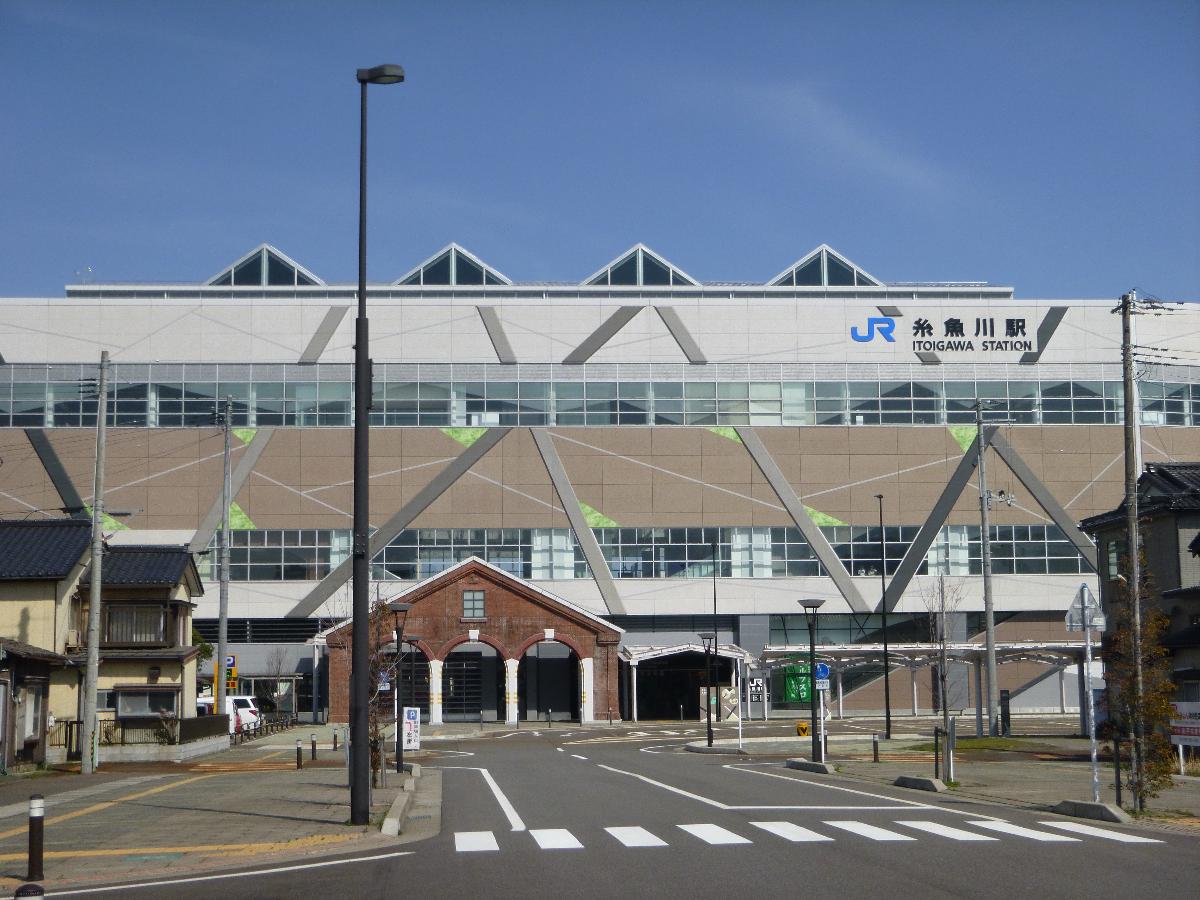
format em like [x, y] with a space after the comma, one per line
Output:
[626, 812]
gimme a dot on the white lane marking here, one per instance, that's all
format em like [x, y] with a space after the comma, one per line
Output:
[513, 819]
[906, 804]
[577, 756]
[1093, 831]
[714, 834]
[790, 832]
[1009, 828]
[667, 787]
[555, 839]
[254, 873]
[635, 836]
[873, 832]
[474, 841]
[955, 834]
[560, 749]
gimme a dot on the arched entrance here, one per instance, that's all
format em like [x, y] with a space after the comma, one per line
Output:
[548, 683]
[473, 684]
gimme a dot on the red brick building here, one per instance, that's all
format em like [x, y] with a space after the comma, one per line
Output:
[480, 644]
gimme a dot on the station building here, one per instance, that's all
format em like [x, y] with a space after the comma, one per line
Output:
[668, 455]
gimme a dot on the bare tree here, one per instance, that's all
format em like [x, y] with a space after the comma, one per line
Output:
[941, 598]
[275, 668]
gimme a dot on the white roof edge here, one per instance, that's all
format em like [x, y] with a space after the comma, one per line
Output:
[453, 245]
[208, 282]
[651, 651]
[507, 575]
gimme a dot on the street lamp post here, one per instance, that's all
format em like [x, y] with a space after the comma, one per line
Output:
[811, 606]
[397, 607]
[360, 675]
[710, 644]
[887, 669]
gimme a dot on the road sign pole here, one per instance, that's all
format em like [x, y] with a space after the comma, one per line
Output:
[1087, 681]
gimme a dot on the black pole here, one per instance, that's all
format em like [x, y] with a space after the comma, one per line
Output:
[396, 688]
[810, 616]
[360, 758]
[887, 669]
[711, 680]
[708, 692]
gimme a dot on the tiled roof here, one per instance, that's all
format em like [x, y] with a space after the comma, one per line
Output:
[41, 549]
[140, 564]
[28, 651]
[1162, 488]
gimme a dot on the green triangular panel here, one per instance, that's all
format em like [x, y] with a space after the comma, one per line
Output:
[963, 434]
[239, 520]
[595, 518]
[245, 435]
[726, 432]
[108, 523]
[821, 518]
[465, 436]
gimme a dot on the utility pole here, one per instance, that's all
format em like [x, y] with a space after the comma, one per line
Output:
[989, 611]
[91, 676]
[1133, 444]
[219, 670]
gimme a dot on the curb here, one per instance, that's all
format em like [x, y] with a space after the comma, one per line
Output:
[805, 766]
[1085, 809]
[394, 820]
[920, 783]
[704, 748]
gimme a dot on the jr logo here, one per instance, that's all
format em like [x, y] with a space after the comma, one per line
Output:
[884, 325]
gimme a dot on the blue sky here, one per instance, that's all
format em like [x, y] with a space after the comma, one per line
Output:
[1054, 147]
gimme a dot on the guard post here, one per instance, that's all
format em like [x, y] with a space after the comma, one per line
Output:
[299, 754]
[37, 836]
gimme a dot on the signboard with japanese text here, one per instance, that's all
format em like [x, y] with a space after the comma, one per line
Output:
[411, 728]
[1185, 724]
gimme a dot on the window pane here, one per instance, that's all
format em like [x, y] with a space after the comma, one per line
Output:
[466, 272]
[809, 274]
[249, 272]
[840, 275]
[654, 272]
[438, 271]
[625, 272]
[279, 272]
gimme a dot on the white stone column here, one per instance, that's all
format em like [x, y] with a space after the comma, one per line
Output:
[587, 690]
[913, 673]
[510, 691]
[841, 713]
[435, 692]
[1062, 690]
[633, 667]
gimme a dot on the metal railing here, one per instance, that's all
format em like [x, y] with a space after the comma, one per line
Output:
[265, 725]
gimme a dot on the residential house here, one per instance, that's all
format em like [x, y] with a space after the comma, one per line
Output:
[1169, 513]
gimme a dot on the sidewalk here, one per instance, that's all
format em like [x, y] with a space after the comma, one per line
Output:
[219, 811]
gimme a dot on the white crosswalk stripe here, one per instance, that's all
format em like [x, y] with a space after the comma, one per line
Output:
[636, 836]
[714, 834]
[874, 832]
[473, 841]
[555, 839]
[1018, 831]
[1093, 831]
[790, 832]
[955, 834]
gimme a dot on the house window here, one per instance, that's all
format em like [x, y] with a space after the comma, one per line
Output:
[473, 604]
[145, 703]
[106, 701]
[1115, 550]
[132, 624]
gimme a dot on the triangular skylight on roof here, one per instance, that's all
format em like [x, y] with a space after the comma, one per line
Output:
[640, 266]
[453, 265]
[824, 267]
[264, 266]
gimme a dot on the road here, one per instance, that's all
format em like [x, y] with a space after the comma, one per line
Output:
[620, 814]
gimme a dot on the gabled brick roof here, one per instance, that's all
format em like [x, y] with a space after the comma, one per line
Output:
[42, 550]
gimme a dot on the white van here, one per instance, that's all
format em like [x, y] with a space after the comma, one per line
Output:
[242, 710]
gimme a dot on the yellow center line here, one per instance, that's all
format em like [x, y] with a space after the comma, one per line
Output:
[97, 807]
[229, 849]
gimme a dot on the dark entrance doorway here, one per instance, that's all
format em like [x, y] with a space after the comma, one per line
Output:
[472, 684]
[548, 683]
[670, 687]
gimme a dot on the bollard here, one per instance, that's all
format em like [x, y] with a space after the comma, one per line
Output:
[37, 824]
[875, 748]
[610, 715]
[335, 739]
[825, 747]
[299, 754]
[314, 745]
[30, 890]
[680, 712]
[549, 718]
[937, 771]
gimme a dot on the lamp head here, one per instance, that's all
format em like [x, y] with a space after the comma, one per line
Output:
[388, 73]
[708, 637]
[813, 603]
[399, 606]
